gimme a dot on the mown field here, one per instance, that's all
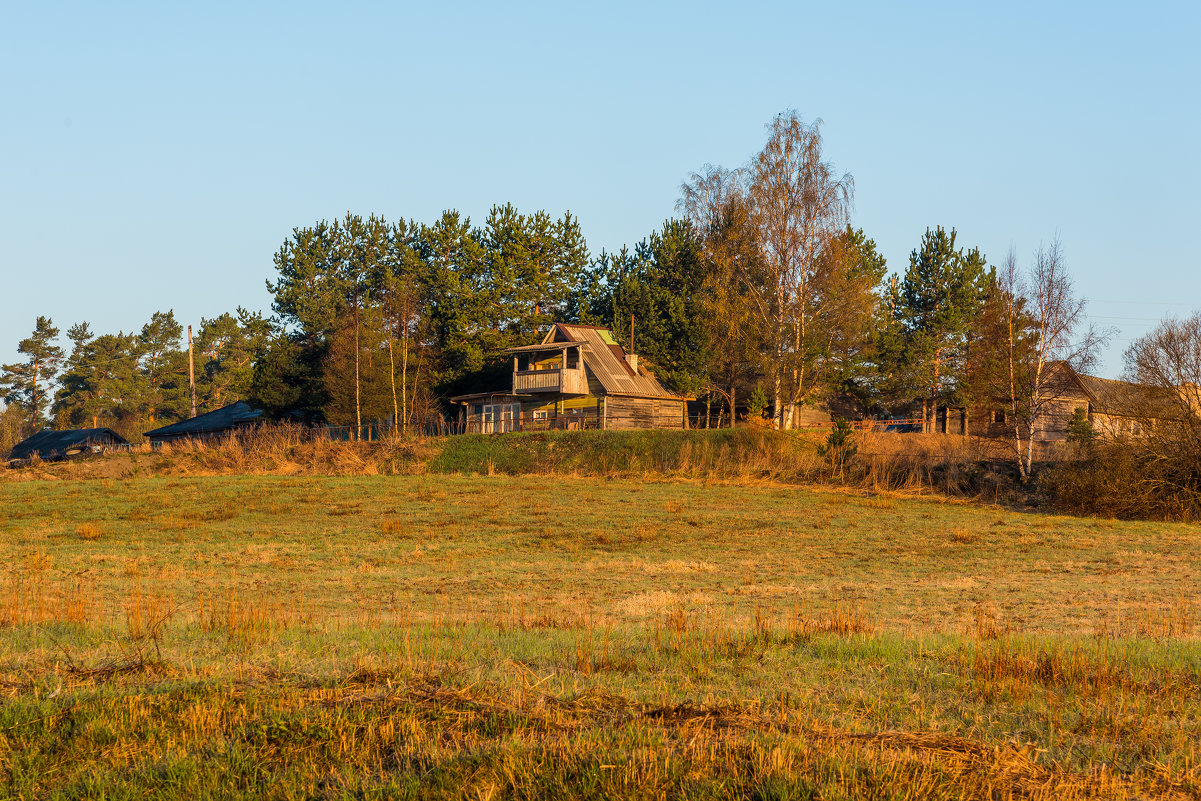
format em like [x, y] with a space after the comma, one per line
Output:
[548, 637]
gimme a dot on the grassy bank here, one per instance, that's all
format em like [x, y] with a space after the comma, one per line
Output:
[954, 465]
[545, 637]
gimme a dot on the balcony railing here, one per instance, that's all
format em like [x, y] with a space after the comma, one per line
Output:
[568, 382]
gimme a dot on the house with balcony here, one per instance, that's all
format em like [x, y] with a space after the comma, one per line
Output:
[577, 377]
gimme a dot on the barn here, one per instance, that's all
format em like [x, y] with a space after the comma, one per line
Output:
[577, 377]
[216, 423]
[50, 445]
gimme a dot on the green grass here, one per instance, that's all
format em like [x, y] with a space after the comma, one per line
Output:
[545, 637]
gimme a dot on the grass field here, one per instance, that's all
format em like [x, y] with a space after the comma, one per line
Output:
[547, 637]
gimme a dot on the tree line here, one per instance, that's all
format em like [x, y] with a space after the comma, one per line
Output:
[760, 295]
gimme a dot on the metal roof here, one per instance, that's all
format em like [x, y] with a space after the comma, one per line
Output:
[607, 362]
[1124, 399]
[50, 445]
[223, 419]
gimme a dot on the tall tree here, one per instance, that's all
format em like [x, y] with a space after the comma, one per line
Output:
[403, 291]
[163, 369]
[848, 295]
[27, 383]
[798, 203]
[326, 282]
[661, 285]
[715, 202]
[534, 263]
[461, 307]
[287, 380]
[1049, 318]
[940, 296]
[101, 384]
[229, 345]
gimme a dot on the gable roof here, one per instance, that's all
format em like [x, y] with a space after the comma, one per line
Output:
[1124, 399]
[607, 361]
[50, 445]
[214, 422]
[1121, 398]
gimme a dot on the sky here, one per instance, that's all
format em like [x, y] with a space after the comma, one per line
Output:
[155, 156]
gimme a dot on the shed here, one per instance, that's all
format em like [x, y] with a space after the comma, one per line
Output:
[52, 445]
[216, 423]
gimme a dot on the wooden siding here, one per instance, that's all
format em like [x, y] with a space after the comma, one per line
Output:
[623, 413]
[568, 382]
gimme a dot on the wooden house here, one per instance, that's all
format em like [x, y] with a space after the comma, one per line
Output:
[1113, 407]
[51, 446]
[577, 377]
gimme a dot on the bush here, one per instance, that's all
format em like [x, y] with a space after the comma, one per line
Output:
[1122, 479]
[839, 446]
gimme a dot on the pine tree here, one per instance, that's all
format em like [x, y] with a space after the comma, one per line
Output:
[163, 371]
[101, 384]
[940, 297]
[27, 384]
[227, 347]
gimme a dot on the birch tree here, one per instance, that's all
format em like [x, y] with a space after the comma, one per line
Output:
[798, 202]
[1046, 324]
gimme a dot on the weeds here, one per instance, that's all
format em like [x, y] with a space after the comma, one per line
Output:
[88, 531]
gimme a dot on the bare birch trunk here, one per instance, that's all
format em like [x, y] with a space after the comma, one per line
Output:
[392, 376]
[358, 414]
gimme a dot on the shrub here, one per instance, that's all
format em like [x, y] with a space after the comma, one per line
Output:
[1123, 479]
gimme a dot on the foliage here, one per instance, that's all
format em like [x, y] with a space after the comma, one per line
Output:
[939, 299]
[1080, 429]
[758, 403]
[839, 446]
[1123, 479]
[661, 286]
[128, 382]
[13, 427]
[26, 384]
[228, 347]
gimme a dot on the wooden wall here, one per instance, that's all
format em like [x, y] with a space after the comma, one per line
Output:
[642, 413]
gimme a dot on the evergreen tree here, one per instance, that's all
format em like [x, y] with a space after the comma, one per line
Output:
[847, 300]
[101, 384]
[228, 347]
[661, 285]
[26, 384]
[534, 263]
[464, 324]
[287, 382]
[163, 367]
[327, 281]
[940, 296]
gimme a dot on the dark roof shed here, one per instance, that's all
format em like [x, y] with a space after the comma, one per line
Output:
[50, 445]
[219, 421]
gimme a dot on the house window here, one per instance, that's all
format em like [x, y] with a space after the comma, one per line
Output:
[500, 417]
[998, 416]
[540, 414]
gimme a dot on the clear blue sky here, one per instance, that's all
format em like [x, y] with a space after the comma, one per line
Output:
[155, 156]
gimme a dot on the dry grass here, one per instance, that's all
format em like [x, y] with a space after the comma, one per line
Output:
[885, 462]
[449, 636]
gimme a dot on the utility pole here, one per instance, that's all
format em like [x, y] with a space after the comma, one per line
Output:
[191, 372]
